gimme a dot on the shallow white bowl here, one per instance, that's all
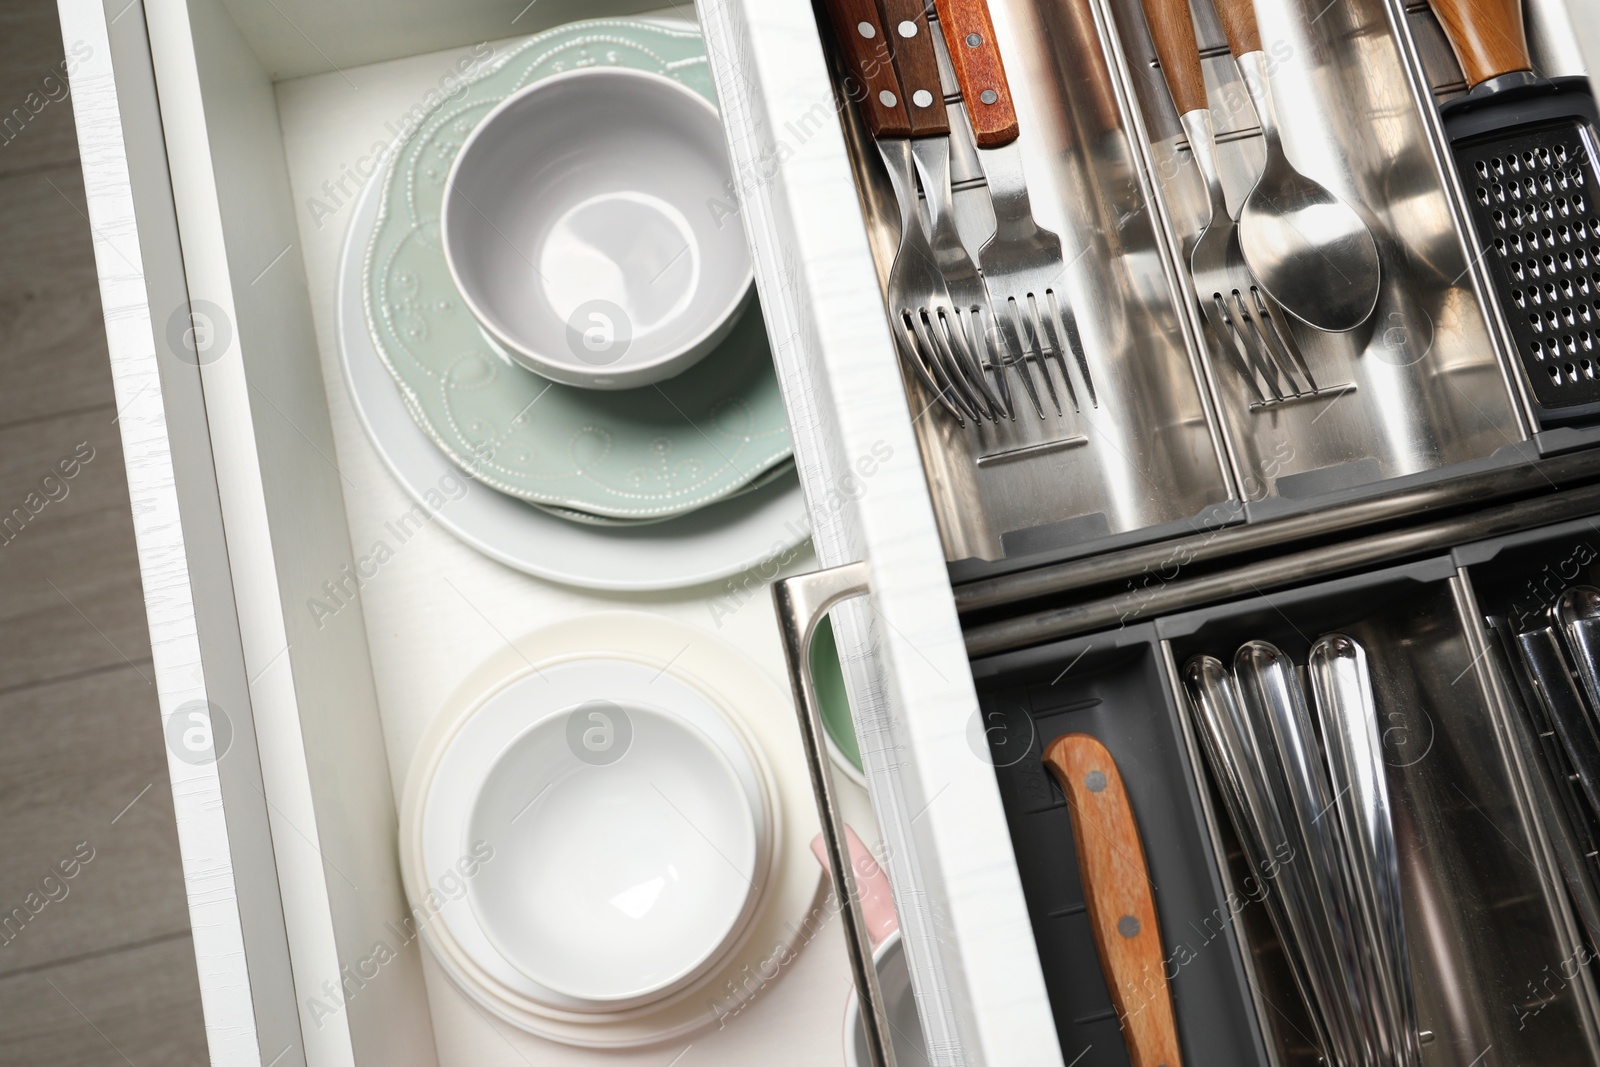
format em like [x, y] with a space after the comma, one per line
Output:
[612, 881]
[580, 224]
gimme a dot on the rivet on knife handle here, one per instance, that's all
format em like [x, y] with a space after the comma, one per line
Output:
[1238, 18]
[969, 38]
[1173, 34]
[867, 49]
[918, 66]
[1487, 35]
[1116, 888]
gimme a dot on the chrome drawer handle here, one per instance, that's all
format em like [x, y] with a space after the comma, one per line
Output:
[801, 602]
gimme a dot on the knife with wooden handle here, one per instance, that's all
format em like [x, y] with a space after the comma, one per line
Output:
[858, 25]
[969, 38]
[1116, 888]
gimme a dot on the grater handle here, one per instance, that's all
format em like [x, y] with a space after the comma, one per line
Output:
[1488, 36]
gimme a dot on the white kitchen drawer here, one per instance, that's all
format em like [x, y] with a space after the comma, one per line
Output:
[205, 128]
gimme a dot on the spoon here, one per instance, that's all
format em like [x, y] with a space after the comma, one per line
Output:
[1307, 248]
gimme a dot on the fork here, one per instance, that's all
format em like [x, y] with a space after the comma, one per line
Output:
[928, 335]
[1251, 327]
[1022, 262]
[970, 315]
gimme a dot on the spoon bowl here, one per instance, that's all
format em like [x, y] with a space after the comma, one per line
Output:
[1309, 250]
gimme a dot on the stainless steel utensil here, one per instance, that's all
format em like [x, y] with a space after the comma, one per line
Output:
[1022, 263]
[1577, 616]
[970, 318]
[1252, 331]
[1305, 246]
[919, 303]
[1272, 697]
[1564, 708]
[1348, 713]
[1237, 762]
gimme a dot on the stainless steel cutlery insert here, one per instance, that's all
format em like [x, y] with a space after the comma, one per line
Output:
[1336, 770]
[1237, 324]
[1135, 448]
[1414, 387]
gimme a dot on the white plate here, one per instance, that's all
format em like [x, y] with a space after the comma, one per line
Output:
[723, 539]
[564, 691]
[754, 709]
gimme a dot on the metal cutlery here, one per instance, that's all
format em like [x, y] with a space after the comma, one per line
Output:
[1022, 263]
[1117, 897]
[1348, 714]
[1321, 797]
[1305, 246]
[970, 316]
[1272, 698]
[1577, 615]
[1563, 708]
[1251, 328]
[1241, 770]
[926, 334]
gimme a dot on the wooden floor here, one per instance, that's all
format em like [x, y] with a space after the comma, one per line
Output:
[96, 963]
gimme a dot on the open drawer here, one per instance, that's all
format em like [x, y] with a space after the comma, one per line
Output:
[212, 134]
[208, 128]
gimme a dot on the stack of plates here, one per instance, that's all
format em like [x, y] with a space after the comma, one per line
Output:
[594, 842]
[656, 487]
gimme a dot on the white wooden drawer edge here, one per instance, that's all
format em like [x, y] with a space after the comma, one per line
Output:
[958, 891]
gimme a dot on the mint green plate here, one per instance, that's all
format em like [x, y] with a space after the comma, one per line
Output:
[638, 454]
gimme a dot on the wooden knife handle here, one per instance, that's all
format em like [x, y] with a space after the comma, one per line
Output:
[1116, 887]
[859, 30]
[1172, 30]
[918, 66]
[969, 38]
[1238, 18]
[1488, 36]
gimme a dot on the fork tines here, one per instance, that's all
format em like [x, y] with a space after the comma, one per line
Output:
[1263, 344]
[1036, 331]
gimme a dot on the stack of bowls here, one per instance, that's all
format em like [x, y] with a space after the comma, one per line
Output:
[576, 864]
[552, 272]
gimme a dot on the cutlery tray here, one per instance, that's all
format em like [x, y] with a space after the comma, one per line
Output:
[1113, 687]
[1485, 914]
[1425, 390]
[1147, 459]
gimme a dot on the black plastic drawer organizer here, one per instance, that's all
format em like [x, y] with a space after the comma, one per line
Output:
[1495, 849]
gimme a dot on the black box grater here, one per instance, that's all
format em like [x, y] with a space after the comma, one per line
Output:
[1525, 149]
[1526, 153]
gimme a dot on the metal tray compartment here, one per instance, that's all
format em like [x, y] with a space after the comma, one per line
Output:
[1113, 686]
[1484, 912]
[1417, 387]
[1147, 456]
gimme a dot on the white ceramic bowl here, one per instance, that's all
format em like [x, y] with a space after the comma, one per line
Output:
[579, 226]
[612, 881]
[463, 759]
